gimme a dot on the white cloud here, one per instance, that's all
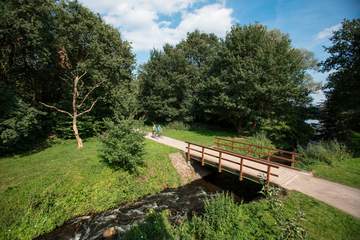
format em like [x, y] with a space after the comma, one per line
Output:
[213, 18]
[139, 20]
[327, 32]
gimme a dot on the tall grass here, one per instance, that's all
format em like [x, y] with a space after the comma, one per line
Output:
[327, 152]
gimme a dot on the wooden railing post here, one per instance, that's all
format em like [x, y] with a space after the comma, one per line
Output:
[217, 142]
[202, 156]
[292, 159]
[188, 153]
[269, 156]
[248, 149]
[220, 154]
[241, 169]
[232, 145]
[268, 175]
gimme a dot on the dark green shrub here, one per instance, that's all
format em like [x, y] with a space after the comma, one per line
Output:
[19, 125]
[122, 145]
[354, 144]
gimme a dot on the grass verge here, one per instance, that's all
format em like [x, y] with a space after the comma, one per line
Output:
[42, 190]
[345, 172]
[321, 221]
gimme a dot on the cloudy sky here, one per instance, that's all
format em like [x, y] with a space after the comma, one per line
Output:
[149, 24]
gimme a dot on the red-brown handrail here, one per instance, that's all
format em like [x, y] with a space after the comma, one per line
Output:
[271, 153]
[219, 154]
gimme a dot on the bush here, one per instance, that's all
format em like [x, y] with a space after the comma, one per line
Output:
[19, 125]
[354, 143]
[122, 145]
[327, 152]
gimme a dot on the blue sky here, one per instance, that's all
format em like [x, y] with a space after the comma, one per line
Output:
[149, 24]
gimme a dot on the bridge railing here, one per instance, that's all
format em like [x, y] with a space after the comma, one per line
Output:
[269, 153]
[242, 162]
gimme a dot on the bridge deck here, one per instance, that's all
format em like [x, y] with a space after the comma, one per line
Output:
[252, 168]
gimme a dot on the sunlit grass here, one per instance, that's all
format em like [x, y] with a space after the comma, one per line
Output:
[42, 190]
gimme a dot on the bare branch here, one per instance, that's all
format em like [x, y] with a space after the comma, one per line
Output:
[88, 94]
[82, 75]
[89, 109]
[57, 109]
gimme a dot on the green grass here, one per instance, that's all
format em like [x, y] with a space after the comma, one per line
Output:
[345, 172]
[205, 137]
[323, 222]
[42, 190]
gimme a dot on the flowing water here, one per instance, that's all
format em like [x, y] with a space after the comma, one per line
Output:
[182, 202]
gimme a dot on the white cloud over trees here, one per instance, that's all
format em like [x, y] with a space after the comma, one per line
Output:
[140, 21]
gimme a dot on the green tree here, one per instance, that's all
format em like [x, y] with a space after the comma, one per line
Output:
[341, 110]
[46, 45]
[122, 145]
[258, 75]
[170, 79]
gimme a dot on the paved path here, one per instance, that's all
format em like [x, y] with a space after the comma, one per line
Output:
[337, 195]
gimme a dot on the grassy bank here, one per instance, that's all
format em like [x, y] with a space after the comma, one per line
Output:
[321, 221]
[42, 190]
[224, 219]
[345, 172]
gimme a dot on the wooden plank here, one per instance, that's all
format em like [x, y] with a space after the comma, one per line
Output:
[202, 156]
[241, 169]
[188, 153]
[220, 153]
[268, 175]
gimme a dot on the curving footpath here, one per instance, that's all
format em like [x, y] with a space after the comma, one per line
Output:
[337, 195]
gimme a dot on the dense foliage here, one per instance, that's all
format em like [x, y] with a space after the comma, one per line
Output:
[42, 45]
[341, 111]
[253, 80]
[170, 79]
[122, 145]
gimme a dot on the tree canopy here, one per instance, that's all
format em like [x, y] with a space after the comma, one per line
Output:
[254, 79]
[341, 110]
[43, 43]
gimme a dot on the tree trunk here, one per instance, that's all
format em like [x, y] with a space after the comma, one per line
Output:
[76, 133]
[74, 103]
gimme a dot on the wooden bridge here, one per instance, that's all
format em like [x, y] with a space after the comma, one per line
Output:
[270, 166]
[243, 165]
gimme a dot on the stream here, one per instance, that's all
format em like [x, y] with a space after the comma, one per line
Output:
[182, 202]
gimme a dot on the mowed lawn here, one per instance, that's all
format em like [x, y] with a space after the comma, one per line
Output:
[345, 172]
[42, 190]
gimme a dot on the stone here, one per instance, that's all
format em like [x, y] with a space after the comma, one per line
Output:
[109, 233]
